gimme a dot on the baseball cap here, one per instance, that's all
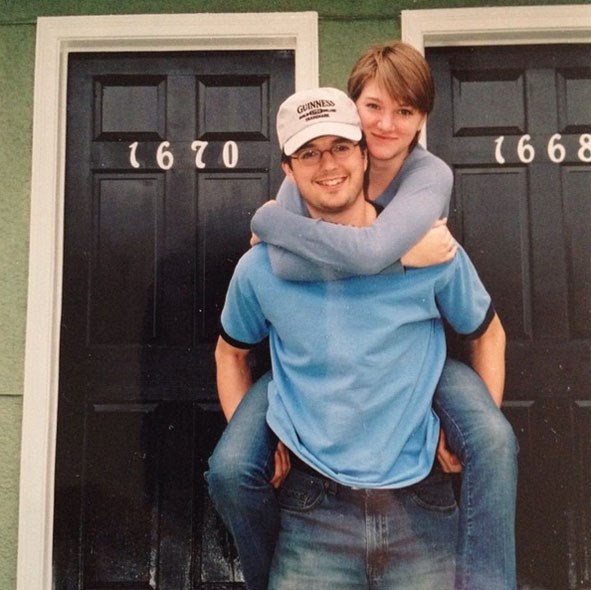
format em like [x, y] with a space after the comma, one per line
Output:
[312, 113]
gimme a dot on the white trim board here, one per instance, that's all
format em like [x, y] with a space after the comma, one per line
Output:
[56, 38]
[519, 25]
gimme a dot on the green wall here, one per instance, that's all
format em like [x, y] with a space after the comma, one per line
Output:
[16, 99]
[346, 27]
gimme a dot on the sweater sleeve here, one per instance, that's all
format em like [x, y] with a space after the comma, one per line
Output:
[416, 198]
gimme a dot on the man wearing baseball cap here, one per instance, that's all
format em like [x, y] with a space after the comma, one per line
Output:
[355, 366]
[312, 113]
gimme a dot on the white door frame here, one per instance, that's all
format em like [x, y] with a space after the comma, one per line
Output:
[519, 25]
[56, 38]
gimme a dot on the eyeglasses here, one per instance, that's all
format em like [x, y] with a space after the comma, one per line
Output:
[313, 156]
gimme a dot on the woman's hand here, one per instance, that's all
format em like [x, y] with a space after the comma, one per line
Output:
[254, 239]
[435, 247]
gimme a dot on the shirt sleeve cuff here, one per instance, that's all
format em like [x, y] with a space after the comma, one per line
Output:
[488, 318]
[236, 343]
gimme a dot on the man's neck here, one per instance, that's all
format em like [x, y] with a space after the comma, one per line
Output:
[362, 214]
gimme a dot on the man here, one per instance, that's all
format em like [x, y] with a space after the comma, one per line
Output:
[355, 366]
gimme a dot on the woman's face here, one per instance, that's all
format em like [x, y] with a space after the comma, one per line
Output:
[389, 126]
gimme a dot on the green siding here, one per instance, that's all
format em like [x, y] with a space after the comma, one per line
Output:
[342, 41]
[16, 107]
[345, 29]
[10, 432]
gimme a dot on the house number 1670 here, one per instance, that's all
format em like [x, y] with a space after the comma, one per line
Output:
[165, 157]
[555, 150]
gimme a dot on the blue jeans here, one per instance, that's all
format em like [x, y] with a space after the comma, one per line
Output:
[337, 538]
[479, 434]
[242, 464]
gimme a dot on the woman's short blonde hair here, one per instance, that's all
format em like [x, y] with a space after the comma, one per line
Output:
[400, 70]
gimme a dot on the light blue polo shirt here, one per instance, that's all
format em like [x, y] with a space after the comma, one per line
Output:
[356, 361]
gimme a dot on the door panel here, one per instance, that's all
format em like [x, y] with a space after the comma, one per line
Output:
[483, 216]
[515, 125]
[168, 156]
[216, 263]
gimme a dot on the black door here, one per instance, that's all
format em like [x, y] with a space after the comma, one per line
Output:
[515, 124]
[168, 155]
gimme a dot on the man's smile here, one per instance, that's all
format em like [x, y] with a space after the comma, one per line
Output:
[332, 182]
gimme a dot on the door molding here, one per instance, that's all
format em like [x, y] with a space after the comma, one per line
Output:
[519, 25]
[56, 38]
[506, 25]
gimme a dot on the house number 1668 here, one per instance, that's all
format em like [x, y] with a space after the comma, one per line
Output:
[165, 157]
[555, 150]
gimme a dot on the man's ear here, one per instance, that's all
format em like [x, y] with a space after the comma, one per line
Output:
[287, 170]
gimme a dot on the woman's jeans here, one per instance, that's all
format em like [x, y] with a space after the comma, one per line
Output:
[477, 432]
[337, 538]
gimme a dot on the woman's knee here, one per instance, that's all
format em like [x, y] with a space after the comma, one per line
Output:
[491, 442]
[228, 468]
[474, 425]
[247, 444]
[221, 476]
[500, 435]
[234, 469]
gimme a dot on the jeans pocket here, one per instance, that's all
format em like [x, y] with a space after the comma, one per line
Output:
[435, 492]
[300, 492]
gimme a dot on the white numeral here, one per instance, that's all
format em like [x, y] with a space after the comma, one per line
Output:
[498, 155]
[584, 152]
[556, 151]
[525, 151]
[230, 154]
[164, 157]
[199, 148]
[132, 159]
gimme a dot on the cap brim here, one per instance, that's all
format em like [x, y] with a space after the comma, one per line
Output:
[352, 132]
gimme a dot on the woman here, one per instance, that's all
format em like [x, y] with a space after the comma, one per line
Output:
[393, 89]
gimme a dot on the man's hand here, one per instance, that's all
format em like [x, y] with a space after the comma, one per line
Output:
[448, 461]
[282, 465]
[435, 247]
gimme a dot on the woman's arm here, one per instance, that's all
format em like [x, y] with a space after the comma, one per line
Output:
[417, 197]
[435, 247]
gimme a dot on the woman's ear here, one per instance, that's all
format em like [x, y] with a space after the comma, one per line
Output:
[423, 123]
